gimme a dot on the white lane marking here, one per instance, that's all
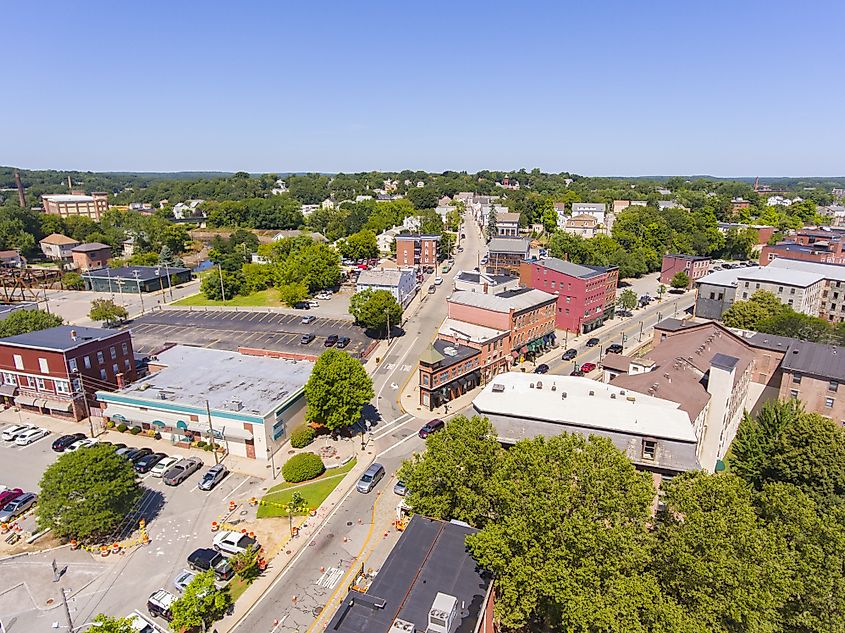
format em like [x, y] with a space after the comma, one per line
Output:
[402, 441]
[402, 359]
[388, 431]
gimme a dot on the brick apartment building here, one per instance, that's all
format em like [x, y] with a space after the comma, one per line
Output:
[586, 295]
[832, 302]
[695, 267]
[91, 256]
[506, 254]
[483, 335]
[417, 250]
[73, 204]
[813, 373]
[809, 245]
[49, 370]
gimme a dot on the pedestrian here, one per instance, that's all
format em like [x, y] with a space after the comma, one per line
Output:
[446, 406]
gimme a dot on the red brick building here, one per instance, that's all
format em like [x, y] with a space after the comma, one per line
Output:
[91, 256]
[808, 245]
[49, 370]
[586, 295]
[695, 267]
[417, 250]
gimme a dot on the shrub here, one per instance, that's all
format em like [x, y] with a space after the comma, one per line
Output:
[303, 467]
[122, 427]
[302, 437]
[109, 424]
[135, 430]
[201, 444]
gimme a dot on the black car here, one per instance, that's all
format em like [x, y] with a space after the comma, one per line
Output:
[616, 348]
[569, 354]
[330, 340]
[577, 372]
[592, 342]
[66, 440]
[542, 369]
[140, 454]
[342, 341]
[206, 558]
[624, 313]
[302, 305]
[145, 464]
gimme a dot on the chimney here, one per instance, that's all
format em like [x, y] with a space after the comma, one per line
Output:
[121, 383]
[19, 185]
[485, 287]
[73, 334]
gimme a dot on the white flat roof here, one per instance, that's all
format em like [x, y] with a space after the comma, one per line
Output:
[835, 272]
[608, 409]
[784, 276]
[468, 331]
[69, 197]
[504, 301]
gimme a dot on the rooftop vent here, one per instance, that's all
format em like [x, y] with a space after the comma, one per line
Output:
[531, 385]
[73, 334]
[442, 613]
[554, 387]
[613, 396]
[233, 405]
[539, 384]
[498, 387]
[162, 395]
[563, 395]
[631, 399]
[592, 393]
[450, 351]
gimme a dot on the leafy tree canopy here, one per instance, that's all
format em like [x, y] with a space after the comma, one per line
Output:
[23, 321]
[107, 311]
[374, 309]
[201, 604]
[337, 390]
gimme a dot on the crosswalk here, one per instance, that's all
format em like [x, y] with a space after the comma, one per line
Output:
[330, 578]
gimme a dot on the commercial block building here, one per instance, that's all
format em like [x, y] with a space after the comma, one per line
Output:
[507, 224]
[694, 267]
[586, 295]
[810, 245]
[58, 247]
[505, 254]
[76, 204]
[58, 371]
[813, 373]
[251, 399]
[832, 305]
[416, 249]
[91, 256]
[400, 283]
[135, 278]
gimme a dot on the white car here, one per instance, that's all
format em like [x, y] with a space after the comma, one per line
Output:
[324, 296]
[162, 467]
[10, 433]
[233, 542]
[33, 435]
[438, 280]
[141, 624]
[88, 441]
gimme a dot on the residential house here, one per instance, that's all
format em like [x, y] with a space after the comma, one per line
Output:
[583, 225]
[91, 256]
[506, 254]
[401, 283]
[58, 247]
[188, 209]
[507, 224]
[417, 250]
[12, 259]
[594, 209]
[695, 267]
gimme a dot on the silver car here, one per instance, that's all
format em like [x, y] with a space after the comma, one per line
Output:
[214, 476]
[370, 478]
[181, 470]
[183, 580]
[17, 507]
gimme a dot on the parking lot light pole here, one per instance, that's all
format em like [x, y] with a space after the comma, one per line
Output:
[222, 289]
[211, 433]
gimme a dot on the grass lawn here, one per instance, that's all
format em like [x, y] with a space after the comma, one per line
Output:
[314, 491]
[237, 587]
[263, 298]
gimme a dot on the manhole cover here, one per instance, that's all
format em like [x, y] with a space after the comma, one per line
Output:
[312, 543]
[348, 523]
[329, 535]
[243, 513]
[316, 611]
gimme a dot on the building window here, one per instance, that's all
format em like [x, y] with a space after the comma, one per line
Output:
[796, 379]
[828, 402]
[115, 369]
[61, 386]
[125, 348]
[780, 289]
[649, 449]
[833, 385]
[18, 361]
[745, 295]
[792, 291]
[42, 365]
[100, 358]
[103, 375]
[9, 378]
[793, 393]
[127, 364]
[71, 363]
[113, 352]
[39, 383]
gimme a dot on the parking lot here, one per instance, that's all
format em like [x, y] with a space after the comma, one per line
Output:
[178, 521]
[232, 329]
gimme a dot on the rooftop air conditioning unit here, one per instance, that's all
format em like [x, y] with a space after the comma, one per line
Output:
[613, 396]
[401, 626]
[498, 388]
[442, 613]
[162, 395]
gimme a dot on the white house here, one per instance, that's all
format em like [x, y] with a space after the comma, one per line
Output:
[401, 283]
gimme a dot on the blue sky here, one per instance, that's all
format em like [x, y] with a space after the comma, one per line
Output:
[737, 88]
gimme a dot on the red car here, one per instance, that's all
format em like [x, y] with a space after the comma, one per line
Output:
[588, 367]
[9, 495]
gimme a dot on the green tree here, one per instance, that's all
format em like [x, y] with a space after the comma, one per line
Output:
[360, 245]
[716, 557]
[232, 284]
[175, 237]
[293, 293]
[108, 624]
[23, 321]
[143, 259]
[87, 493]
[423, 197]
[491, 224]
[680, 280]
[316, 265]
[201, 604]
[337, 390]
[107, 311]
[746, 315]
[661, 290]
[258, 277]
[452, 479]
[374, 309]
[73, 281]
[569, 543]
[549, 220]
[627, 299]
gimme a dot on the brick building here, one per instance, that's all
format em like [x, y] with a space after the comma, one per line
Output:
[586, 295]
[695, 267]
[505, 254]
[813, 374]
[49, 370]
[417, 250]
[91, 256]
[76, 204]
[809, 245]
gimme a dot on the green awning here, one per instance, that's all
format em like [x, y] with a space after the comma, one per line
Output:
[159, 423]
[182, 425]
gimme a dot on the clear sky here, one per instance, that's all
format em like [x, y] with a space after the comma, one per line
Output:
[727, 88]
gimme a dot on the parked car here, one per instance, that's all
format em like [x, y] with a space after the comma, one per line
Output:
[342, 341]
[17, 506]
[140, 454]
[431, 427]
[569, 354]
[587, 367]
[438, 280]
[60, 444]
[306, 338]
[624, 313]
[30, 436]
[233, 542]
[214, 476]
[542, 368]
[370, 478]
[183, 580]
[10, 433]
[206, 558]
[324, 296]
[140, 624]
[400, 488]
[615, 348]
[431, 289]
[181, 470]
[88, 441]
[302, 305]
[313, 304]
[146, 463]
[123, 450]
[159, 604]
[592, 342]
[330, 340]
[8, 496]
[163, 466]
[308, 318]
[577, 372]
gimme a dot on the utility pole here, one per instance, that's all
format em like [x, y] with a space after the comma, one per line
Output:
[169, 285]
[222, 290]
[387, 314]
[137, 275]
[67, 612]
[85, 402]
[211, 433]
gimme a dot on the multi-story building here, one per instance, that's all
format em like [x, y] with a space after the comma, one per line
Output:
[59, 370]
[76, 204]
[507, 224]
[813, 374]
[810, 245]
[91, 256]
[833, 294]
[594, 209]
[582, 225]
[398, 282]
[482, 282]
[417, 249]
[586, 295]
[58, 247]
[12, 259]
[505, 254]
[694, 267]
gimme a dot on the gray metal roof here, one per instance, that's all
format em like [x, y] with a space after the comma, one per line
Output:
[823, 361]
[90, 247]
[517, 245]
[568, 268]
[145, 273]
[61, 338]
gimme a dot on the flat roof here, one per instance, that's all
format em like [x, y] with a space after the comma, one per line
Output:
[692, 258]
[784, 276]
[447, 353]
[145, 273]
[430, 558]
[391, 277]
[90, 247]
[417, 236]
[194, 375]
[588, 206]
[587, 404]
[518, 299]
[835, 272]
[62, 338]
[568, 268]
[518, 245]
[474, 277]
[68, 197]
[469, 331]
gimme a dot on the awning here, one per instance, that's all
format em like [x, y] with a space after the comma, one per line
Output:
[157, 423]
[181, 424]
[515, 354]
[231, 433]
[25, 401]
[8, 390]
[118, 418]
[58, 405]
[524, 350]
